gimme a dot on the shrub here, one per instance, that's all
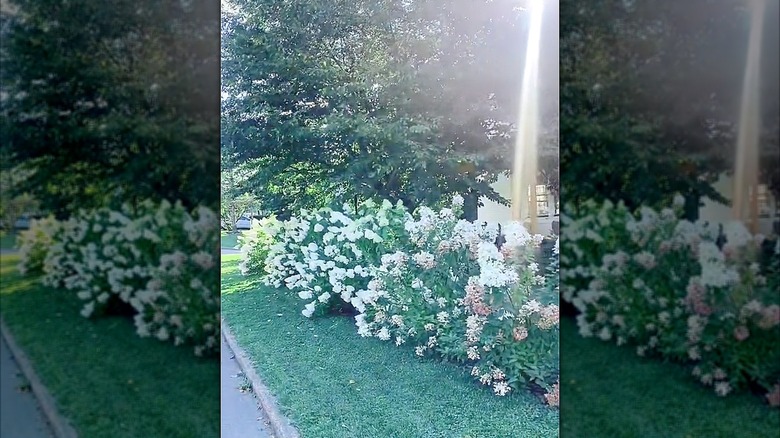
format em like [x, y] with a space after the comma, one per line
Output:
[91, 260]
[34, 243]
[428, 280]
[673, 289]
[735, 317]
[326, 256]
[256, 244]
[635, 287]
[595, 231]
[181, 302]
[156, 258]
[454, 294]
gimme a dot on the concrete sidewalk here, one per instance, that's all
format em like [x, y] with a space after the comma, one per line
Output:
[20, 414]
[241, 416]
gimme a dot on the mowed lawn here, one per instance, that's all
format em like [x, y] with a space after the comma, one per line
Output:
[7, 239]
[609, 391]
[334, 384]
[229, 240]
[109, 382]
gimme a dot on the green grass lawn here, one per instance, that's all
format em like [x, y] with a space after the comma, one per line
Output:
[609, 391]
[7, 239]
[333, 383]
[229, 240]
[105, 379]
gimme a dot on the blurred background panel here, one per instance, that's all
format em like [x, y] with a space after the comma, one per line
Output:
[669, 123]
[109, 153]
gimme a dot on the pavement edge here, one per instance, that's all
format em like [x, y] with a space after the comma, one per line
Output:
[280, 424]
[61, 427]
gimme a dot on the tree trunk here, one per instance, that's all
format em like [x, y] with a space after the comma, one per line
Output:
[691, 207]
[470, 206]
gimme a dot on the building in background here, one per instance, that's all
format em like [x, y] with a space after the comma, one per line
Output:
[768, 207]
[547, 207]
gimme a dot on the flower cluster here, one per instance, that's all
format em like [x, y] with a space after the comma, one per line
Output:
[553, 396]
[256, 243]
[34, 243]
[326, 257]
[158, 259]
[451, 292]
[430, 281]
[678, 289]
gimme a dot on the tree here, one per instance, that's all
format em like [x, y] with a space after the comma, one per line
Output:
[236, 201]
[234, 208]
[113, 102]
[650, 96]
[407, 101]
[14, 204]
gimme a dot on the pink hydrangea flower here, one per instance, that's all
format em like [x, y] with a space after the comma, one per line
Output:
[741, 333]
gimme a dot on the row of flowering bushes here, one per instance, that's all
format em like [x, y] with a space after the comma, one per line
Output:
[158, 259]
[427, 280]
[681, 290]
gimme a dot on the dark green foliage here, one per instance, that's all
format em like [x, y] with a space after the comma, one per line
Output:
[113, 102]
[332, 99]
[650, 95]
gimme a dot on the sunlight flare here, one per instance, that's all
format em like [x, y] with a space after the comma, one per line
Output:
[745, 202]
[525, 157]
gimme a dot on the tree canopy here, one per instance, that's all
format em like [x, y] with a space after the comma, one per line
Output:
[650, 98]
[331, 99]
[112, 102]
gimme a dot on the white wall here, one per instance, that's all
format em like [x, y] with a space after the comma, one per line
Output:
[718, 213]
[494, 212]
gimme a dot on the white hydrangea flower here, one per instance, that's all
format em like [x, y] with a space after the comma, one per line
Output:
[308, 310]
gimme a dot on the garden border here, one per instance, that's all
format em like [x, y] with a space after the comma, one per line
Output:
[281, 425]
[59, 424]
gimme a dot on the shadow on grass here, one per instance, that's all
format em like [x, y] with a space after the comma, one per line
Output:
[229, 240]
[105, 379]
[333, 383]
[8, 240]
[609, 391]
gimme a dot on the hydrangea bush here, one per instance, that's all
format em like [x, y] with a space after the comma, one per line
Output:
[157, 258]
[33, 244]
[676, 289]
[181, 302]
[454, 294]
[597, 230]
[256, 243]
[326, 256]
[430, 281]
